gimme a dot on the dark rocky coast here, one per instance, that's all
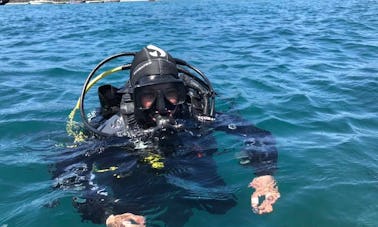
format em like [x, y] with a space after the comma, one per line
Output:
[3, 2]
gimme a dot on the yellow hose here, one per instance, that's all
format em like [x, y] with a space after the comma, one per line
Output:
[72, 127]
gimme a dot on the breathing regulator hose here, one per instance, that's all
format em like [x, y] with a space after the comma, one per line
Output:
[204, 80]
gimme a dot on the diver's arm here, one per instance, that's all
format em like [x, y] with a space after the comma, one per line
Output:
[94, 206]
[99, 209]
[74, 172]
[261, 153]
[259, 148]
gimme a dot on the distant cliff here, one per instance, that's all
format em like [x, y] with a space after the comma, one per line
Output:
[19, 1]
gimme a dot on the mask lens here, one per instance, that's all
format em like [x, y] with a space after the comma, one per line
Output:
[147, 100]
[173, 93]
[172, 96]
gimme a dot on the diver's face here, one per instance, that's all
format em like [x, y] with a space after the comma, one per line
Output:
[160, 100]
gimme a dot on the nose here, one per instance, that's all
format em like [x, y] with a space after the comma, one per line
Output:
[160, 105]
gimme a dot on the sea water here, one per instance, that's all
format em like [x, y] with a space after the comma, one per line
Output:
[305, 70]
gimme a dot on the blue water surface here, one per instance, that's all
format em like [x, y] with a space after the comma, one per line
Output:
[305, 70]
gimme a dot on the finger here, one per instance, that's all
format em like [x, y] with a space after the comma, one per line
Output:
[269, 197]
[273, 197]
[126, 220]
[257, 193]
[265, 207]
[126, 224]
[256, 182]
[269, 191]
[137, 219]
[133, 225]
[255, 209]
[130, 224]
[110, 221]
[254, 201]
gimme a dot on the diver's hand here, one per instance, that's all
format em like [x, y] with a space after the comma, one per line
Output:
[265, 186]
[125, 220]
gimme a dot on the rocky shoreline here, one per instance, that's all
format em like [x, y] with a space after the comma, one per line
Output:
[9, 2]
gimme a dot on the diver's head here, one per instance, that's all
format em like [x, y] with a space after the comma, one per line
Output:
[157, 89]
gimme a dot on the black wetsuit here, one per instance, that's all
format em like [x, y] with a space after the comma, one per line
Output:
[115, 176]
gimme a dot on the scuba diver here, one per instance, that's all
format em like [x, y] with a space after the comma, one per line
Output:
[164, 117]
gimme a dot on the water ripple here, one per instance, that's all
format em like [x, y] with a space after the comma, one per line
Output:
[306, 71]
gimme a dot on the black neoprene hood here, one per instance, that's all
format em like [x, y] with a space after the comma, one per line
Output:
[153, 65]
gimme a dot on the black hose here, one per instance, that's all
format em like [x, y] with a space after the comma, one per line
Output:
[205, 80]
[82, 96]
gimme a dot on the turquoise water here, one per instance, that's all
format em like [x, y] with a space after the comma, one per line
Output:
[307, 72]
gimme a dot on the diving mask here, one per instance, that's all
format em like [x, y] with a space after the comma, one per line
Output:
[163, 97]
